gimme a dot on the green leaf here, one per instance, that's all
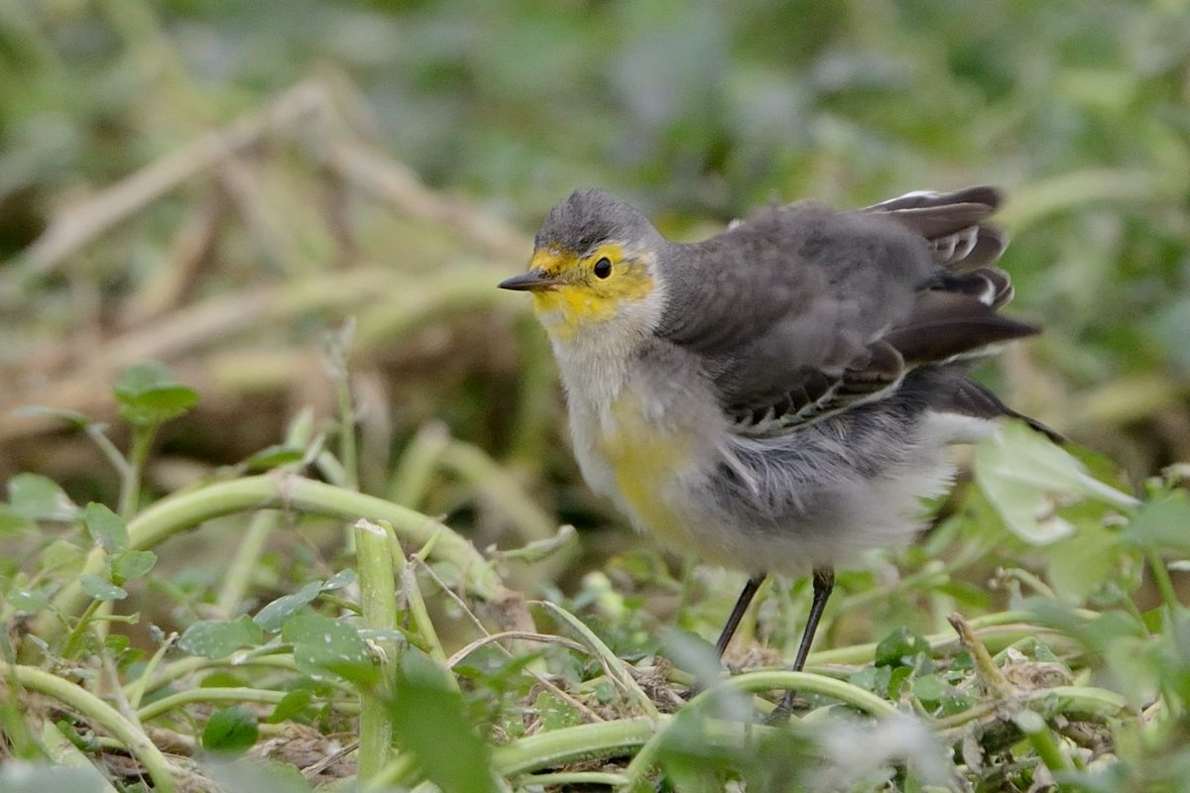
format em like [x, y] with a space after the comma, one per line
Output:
[106, 528]
[1027, 478]
[429, 723]
[897, 678]
[60, 555]
[223, 679]
[118, 644]
[322, 645]
[35, 497]
[12, 521]
[936, 692]
[20, 778]
[100, 588]
[244, 775]
[273, 457]
[148, 395]
[272, 616]
[900, 647]
[1163, 523]
[230, 731]
[131, 565]
[1078, 566]
[291, 706]
[72, 417]
[28, 601]
[220, 638]
[340, 580]
[555, 712]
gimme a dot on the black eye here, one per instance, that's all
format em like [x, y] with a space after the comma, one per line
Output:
[603, 268]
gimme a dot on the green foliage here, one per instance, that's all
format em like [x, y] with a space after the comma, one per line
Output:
[1027, 479]
[230, 731]
[246, 775]
[129, 565]
[34, 497]
[149, 396]
[1163, 523]
[292, 707]
[220, 638]
[106, 528]
[901, 648]
[273, 616]
[22, 778]
[272, 457]
[429, 721]
[1072, 585]
[322, 645]
[100, 588]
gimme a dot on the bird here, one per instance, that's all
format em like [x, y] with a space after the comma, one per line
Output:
[780, 397]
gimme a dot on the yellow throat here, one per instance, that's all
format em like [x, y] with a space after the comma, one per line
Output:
[580, 299]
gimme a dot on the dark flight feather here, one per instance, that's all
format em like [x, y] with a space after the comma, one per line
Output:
[800, 312]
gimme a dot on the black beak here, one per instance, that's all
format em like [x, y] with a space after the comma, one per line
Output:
[527, 282]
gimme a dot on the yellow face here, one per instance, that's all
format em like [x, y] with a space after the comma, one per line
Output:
[572, 292]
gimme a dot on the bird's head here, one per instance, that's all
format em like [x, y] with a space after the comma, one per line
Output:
[594, 268]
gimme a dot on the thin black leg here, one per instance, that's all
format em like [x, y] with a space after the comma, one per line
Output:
[733, 622]
[737, 613]
[824, 582]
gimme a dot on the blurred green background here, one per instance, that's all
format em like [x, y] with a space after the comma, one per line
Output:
[166, 192]
[302, 209]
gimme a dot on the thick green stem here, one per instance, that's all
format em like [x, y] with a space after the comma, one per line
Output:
[190, 696]
[398, 771]
[265, 657]
[753, 682]
[172, 515]
[587, 741]
[415, 602]
[378, 597]
[239, 574]
[64, 753]
[565, 778]
[764, 681]
[99, 712]
[995, 630]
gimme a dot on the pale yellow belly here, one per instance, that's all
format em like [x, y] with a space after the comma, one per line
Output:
[646, 461]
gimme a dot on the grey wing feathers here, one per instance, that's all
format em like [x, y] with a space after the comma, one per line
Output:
[947, 389]
[952, 223]
[800, 312]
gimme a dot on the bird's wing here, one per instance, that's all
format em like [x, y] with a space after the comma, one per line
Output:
[800, 312]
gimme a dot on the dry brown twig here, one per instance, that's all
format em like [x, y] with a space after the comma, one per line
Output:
[78, 225]
[76, 374]
[191, 249]
[397, 184]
